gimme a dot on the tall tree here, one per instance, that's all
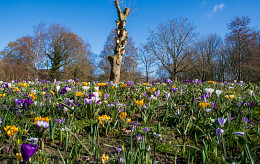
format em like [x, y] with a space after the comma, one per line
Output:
[121, 40]
[171, 44]
[62, 48]
[18, 59]
[207, 50]
[239, 40]
[147, 60]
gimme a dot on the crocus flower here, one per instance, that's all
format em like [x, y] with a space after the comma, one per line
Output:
[118, 150]
[157, 93]
[139, 137]
[85, 88]
[218, 132]
[245, 120]
[168, 81]
[27, 151]
[87, 101]
[218, 92]
[174, 90]
[239, 133]
[222, 121]
[187, 80]
[167, 95]
[34, 140]
[146, 130]
[209, 91]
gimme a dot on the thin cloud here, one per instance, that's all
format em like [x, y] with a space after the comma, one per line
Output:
[218, 7]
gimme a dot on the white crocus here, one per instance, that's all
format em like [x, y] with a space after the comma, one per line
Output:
[85, 88]
[68, 89]
[209, 91]
[218, 92]
[251, 92]
[96, 94]
[96, 88]
[57, 88]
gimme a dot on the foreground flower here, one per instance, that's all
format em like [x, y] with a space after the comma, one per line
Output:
[204, 105]
[27, 151]
[239, 133]
[218, 92]
[78, 94]
[140, 103]
[104, 158]
[222, 121]
[18, 156]
[245, 120]
[11, 130]
[103, 118]
[122, 115]
[146, 130]
[218, 133]
[139, 137]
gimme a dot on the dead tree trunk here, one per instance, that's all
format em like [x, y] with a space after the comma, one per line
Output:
[121, 40]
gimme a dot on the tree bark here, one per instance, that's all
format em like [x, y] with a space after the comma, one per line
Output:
[116, 59]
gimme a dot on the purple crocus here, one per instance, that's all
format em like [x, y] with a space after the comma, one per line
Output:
[168, 81]
[28, 150]
[218, 132]
[245, 120]
[87, 101]
[157, 93]
[174, 90]
[239, 133]
[106, 96]
[187, 80]
[146, 130]
[139, 137]
[60, 120]
[222, 121]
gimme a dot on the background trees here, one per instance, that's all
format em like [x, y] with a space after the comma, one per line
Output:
[55, 50]
[172, 50]
[171, 44]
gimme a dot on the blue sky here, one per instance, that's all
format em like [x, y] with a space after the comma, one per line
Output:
[94, 19]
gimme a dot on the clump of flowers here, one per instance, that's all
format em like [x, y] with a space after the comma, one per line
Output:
[2, 95]
[23, 84]
[122, 115]
[101, 84]
[42, 121]
[103, 118]
[203, 105]
[32, 96]
[104, 158]
[140, 102]
[229, 96]
[78, 94]
[11, 130]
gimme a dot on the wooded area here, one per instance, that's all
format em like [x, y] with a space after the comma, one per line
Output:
[173, 50]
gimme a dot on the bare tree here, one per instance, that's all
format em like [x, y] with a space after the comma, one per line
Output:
[171, 45]
[207, 50]
[147, 60]
[239, 39]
